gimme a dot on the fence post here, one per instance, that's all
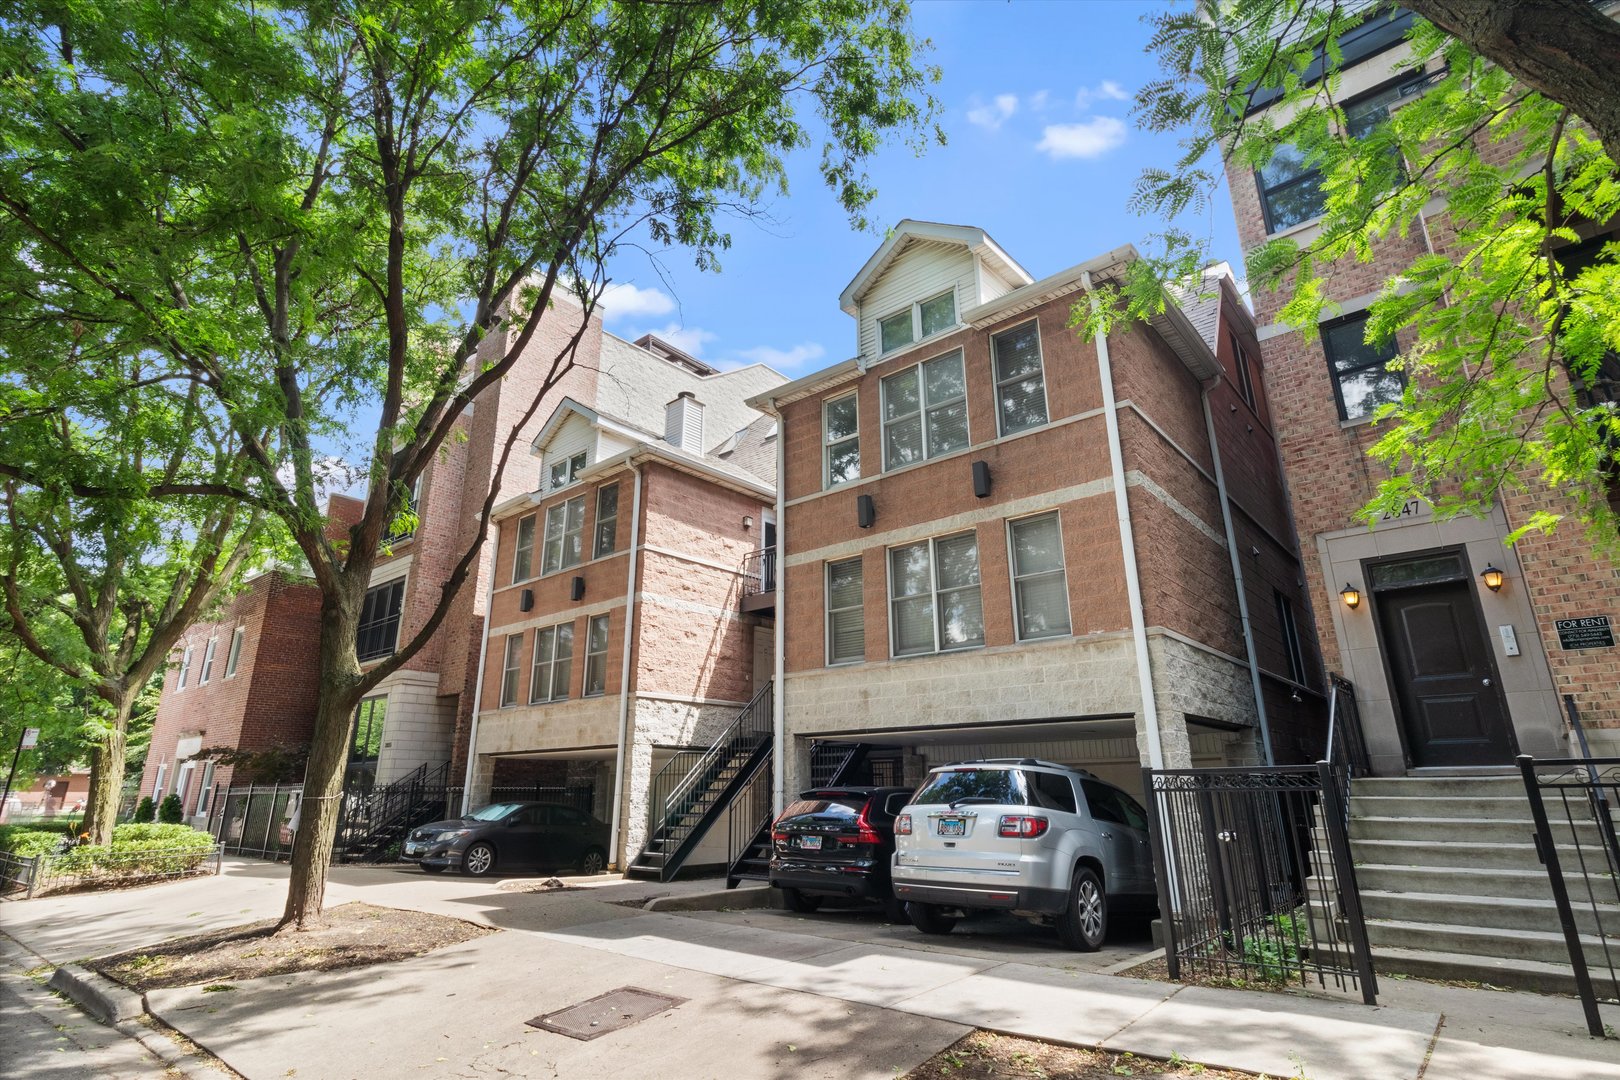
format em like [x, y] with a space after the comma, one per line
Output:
[219, 859]
[269, 819]
[34, 875]
[1344, 873]
[1159, 848]
[1547, 851]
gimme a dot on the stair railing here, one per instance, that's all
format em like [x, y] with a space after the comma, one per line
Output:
[750, 818]
[677, 786]
[1346, 743]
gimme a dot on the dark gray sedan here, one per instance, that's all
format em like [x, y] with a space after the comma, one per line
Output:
[511, 836]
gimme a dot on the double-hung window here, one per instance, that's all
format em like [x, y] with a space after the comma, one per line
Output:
[509, 669]
[523, 557]
[841, 439]
[1245, 375]
[379, 620]
[1361, 379]
[1020, 381]
[607, 521]
[925, 411]
[934, 601]
[564, 472]
[185, 669]
[846, 624]
[208, 662]
[918, 321]
[553, 663]
[564, 524]
[596, 649]
[233, 657]
[1040, 585]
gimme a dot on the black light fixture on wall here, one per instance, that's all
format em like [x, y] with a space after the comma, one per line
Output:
[526, 600]
[1492, 578]
[865, 511]
[577, 589]
[981, 478]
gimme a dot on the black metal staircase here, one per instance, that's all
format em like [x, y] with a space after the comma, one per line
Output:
[697, 787]
[373, 823]
[830, 763]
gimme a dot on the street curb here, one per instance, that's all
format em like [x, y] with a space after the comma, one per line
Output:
[754, 896]
[97, 995]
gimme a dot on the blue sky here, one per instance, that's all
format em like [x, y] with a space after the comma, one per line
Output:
[1042, 154]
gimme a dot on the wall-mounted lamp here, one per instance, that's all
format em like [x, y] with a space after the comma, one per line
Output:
[748, 521]
[577, 591]
[1351, 596]
[981, 479]
[865, 511]
[526, 600]
[1492, 577]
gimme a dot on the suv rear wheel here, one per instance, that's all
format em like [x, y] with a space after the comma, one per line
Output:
[930, 918]
[1083, 926]
[801, 903]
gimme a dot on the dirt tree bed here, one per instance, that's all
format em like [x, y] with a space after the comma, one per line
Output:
[984, 1055]
[355, 935]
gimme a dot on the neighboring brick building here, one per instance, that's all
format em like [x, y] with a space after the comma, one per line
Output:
[631, 536]
[1447, 671]
[959, 580]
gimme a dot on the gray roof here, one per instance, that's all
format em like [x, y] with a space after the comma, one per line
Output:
[752, 450]
[1201, 302]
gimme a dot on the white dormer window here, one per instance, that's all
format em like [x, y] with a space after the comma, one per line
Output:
[922, 320]
[564, 473]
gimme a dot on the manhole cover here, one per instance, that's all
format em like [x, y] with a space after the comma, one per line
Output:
[606, 1012]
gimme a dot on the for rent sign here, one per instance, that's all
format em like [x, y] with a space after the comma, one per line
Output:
[1587, 632]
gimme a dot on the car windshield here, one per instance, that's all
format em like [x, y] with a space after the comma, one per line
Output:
[494, 811]
[953, 786]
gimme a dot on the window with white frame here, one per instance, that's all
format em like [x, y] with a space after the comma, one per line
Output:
[607, 521]
[564, 523]
[924, 411]
[157, 784]
[185, 669]
[1040, 585]
[553, 663]
[934, 599]
[841, 439]
[1020, 379]
[564, 473]
[233, 656]
[379, 620]
[182, 780]
[523, 554]
[207, 671]
[509, 670]
[205, 794]
[922, 320]
[846, 624]
[596, 654]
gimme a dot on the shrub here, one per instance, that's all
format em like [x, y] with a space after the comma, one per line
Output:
[169, 811]
[138, 850]
[25, 842]
[145, 810]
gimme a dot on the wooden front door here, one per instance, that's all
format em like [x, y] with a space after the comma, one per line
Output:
[1440, 664]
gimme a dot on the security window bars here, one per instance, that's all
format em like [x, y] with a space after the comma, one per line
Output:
[841, 439]
[596, 647]
[925, 411]
[553, 663]
[564, 523]
[1290, 637]
[1020, 382]
[1040, 585]
[934, 600]
[607, 521]
[185, 669]
[509, 670]
[379, 620]
[523, 557]
[934, 315]
[1361, 379]
[207, 671]
[564, 473]
[233, 657]
[846, 624]
[369, 718]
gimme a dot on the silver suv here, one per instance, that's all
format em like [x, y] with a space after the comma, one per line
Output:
[1044, 841]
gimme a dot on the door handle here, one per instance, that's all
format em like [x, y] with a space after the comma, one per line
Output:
[1485, 682]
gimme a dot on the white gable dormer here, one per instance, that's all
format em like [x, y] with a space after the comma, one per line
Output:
[575, 438]
[918, 283]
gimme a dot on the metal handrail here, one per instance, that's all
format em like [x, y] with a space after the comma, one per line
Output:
[674, 784]
[751, 815]
[759, 571]
[1346, 742]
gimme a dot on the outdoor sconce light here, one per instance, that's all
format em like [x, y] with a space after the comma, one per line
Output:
[577, 592]
[526, 600]
[981, 479]
[1492, 577]
[865, 511]
[1351, 596]
[748, 522]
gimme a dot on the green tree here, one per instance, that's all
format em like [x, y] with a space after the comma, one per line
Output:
[1511, 364]
[322, 204]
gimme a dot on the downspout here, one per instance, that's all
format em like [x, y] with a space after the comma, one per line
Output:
[624, 669]
[478, 693]
[1127, 541]
[778, 628]
[1237, 580]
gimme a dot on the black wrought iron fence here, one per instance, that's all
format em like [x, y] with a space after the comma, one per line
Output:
[1346, 744]
[87, 867]
[1255, 879]
[255, 820]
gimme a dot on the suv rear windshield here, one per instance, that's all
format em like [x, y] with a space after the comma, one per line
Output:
[826, 806]
[976, 785]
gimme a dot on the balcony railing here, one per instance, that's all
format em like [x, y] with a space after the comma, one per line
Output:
[759, 572]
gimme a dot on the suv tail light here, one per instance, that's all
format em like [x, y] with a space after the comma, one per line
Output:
[778, 836]
[902, 825]
[864, 833]
[1021, 827]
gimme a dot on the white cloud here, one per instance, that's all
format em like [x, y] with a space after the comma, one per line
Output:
[1087, 139]
[625, 301]
[1039, 100]
[688, 339]
[1107, 90]
[992, 116]
[783, 359]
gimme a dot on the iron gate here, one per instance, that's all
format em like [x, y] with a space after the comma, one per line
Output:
[1254, 876]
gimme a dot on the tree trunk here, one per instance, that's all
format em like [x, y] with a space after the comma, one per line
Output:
[107, 773]
[328, 756]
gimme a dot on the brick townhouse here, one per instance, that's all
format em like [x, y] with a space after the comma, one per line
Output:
[1002, 538]
[648, 525]
[1453, 643]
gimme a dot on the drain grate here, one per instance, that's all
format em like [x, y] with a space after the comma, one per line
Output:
[606, 1012]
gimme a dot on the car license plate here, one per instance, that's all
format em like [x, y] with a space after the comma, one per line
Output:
[413, 849]
[952, 826]
[810, 843]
